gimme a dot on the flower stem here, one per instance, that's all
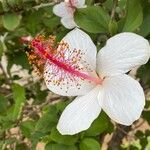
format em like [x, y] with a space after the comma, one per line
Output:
[115, 3]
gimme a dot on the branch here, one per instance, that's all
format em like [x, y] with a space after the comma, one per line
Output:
[36, 7]
[115, 3]
[118, 135]
[4, 91]
[4, 73]
[43, 5]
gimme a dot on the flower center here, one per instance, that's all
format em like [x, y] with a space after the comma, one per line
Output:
[71, 4]
[63, 61]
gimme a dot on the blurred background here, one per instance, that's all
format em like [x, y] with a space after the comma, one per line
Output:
[29, 112]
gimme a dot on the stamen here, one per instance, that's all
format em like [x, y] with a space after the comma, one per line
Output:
[63, 61]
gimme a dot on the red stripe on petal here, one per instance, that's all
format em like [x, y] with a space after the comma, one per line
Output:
[67, 63]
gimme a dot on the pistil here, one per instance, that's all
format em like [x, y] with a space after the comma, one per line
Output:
[39, 49]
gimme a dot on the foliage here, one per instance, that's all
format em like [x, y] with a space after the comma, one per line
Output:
[29, 109]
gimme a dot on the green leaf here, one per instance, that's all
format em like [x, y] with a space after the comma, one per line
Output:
[33, 23]
[27, 128]
[10, 140]
[134, 16]
[108, 5]
[52, 146]
[1, 144]
[37, 135]
[1, 49]
[13, 3]
[110, 128]
[21, 146]
[113, 27]
[62, 105]
[145, 27]
[47, 121]
[146, 116]
[6, 122]
[4, 5]
[51, 23]
[89, 2]
[1, 7]
[147, 105]
[19, 99]
[139, 134]
[93, 19]
[3, 104]
[98, 126]
[41, 94]
[89, 144]
[144, 74]
[63, 139]
[11, 21]
[21, 60]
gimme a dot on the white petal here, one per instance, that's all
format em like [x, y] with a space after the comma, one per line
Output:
[80, 40]
[123, 99]
[62, 10]
[122, 53]
[70, 86]
[68, 23]
[80, 3]
[73, 85]
[80, 114]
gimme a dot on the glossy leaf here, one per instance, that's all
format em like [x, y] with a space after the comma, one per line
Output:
[51, 23]
[52, 146]
[146, 116]
[1, 49]
[113, 27]
[27, 128]
[145, 27]
[134, 16]
[47, 121]
[89, 144]
[93, 19]
[11, 21]
[63, 139]
[3, 104]
[98, 126]
[14, 3]
[19, 99]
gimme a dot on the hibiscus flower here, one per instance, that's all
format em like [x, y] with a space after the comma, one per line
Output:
[98, 80]
[66, 10]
